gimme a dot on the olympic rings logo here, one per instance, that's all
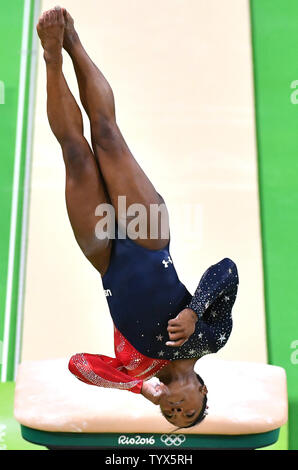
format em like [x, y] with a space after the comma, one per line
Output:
[172, 439]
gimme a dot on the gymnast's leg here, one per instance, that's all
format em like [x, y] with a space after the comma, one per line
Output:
[122, 174]
[84, 184]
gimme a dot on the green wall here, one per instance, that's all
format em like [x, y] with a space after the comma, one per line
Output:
[275, 50]
[16, 27]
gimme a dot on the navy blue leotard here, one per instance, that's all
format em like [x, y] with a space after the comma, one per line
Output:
[144, 292]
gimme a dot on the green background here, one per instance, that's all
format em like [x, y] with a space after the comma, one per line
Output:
[10, 34]
[275, 50]
[11, 29]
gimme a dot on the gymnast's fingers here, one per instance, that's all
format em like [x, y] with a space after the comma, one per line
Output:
[174, 322]
[176, 336]
[162, 389]
[176, 343]
[174, 329]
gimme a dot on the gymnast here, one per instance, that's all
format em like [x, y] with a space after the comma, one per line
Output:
[160, 329]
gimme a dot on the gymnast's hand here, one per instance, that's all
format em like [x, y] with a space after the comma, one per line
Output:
[181, 327]
[154, 392]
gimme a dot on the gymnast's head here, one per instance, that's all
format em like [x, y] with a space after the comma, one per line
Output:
[185, 404]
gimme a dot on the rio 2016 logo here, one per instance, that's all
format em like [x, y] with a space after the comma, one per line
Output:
[136, 440]
[166, 439]
[173, 439]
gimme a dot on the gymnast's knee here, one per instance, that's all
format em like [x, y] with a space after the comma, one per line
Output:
[105, 132]
[75, 154]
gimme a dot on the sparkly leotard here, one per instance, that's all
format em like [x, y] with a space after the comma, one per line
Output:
[126, 371]
[143, 293]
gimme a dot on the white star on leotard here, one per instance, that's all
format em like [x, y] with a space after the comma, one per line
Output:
[159, 337]
[230, 270]
[207, 304]
[227, 298]
[222, 338]
[200, 335]
[192, 351]
[161, 353]
[176, 353]
[213, 313]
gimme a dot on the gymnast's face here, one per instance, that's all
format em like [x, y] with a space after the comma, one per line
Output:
[182, 406]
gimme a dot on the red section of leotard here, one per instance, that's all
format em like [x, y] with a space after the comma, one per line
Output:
[126, 371]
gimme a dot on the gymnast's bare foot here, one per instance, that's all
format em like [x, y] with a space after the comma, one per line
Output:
[71, 37]
[50, 29]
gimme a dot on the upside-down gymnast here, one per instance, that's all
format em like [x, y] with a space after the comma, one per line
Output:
[160, 329]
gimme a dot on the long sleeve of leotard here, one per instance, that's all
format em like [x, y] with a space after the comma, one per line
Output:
[103, 371]
[213, 302]
[218, 282]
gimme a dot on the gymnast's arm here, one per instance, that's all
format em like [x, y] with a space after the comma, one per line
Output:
[103, 371]
[220, 281]
[216, 282]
